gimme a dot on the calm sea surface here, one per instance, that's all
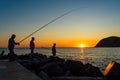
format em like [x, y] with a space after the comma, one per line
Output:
[96, 56]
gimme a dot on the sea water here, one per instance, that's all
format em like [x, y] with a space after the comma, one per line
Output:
[99, 57]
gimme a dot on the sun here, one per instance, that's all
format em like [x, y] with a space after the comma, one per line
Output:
[82, 45]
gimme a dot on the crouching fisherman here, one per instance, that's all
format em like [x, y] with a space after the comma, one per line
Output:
[11, 45]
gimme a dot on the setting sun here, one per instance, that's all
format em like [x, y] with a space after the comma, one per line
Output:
[82, 45]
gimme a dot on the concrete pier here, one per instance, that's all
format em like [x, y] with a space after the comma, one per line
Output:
[15, 71]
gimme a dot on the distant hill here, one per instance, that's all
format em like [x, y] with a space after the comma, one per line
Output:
[112, 41]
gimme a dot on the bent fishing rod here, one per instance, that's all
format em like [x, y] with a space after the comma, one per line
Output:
[47, 24]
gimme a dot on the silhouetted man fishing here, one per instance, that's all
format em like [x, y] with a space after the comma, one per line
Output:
[32, 45]
[54, 49]
[11, 45]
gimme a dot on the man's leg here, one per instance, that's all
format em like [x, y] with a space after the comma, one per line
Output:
[11, 55]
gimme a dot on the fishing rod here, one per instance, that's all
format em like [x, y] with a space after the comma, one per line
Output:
[47, 24]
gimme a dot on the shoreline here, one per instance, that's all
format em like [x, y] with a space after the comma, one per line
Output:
[54, 66]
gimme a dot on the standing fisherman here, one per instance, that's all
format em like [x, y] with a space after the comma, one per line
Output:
[11, 45]
[32, 45]
[54, 49]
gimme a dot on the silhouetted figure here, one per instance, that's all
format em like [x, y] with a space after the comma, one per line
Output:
[54, 49]
[2, 53]
[11, 45]
[32, 45]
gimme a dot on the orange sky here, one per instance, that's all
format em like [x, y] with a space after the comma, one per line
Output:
[64, 43]
[49, 43]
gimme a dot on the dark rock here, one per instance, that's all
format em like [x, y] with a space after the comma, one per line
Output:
[89, 70]
[55, 66]
[43, 75]
[3, 57]
[68, 73]
[52, 69]
[52, 59]
[73, 66]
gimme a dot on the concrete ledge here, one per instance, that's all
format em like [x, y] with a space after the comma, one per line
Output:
[77, 78]
[15, 71]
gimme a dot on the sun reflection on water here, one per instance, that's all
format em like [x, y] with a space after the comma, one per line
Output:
[82, 55]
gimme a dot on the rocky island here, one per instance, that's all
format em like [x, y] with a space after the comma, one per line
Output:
[112, 41]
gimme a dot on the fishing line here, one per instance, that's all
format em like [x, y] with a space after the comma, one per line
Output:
[47, 24]
[50, 49]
